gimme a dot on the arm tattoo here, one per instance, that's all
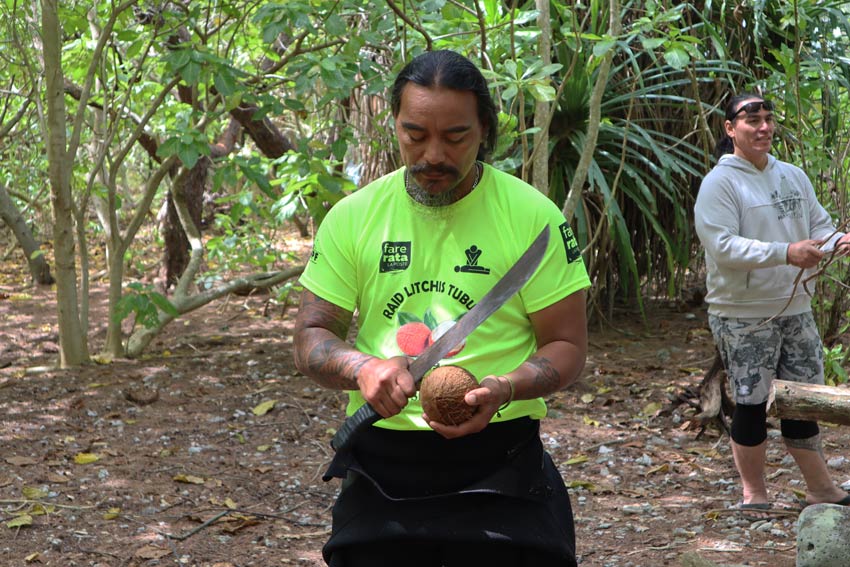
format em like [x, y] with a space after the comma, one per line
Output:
[335, 364]
[321, 351]
[547, 378]
[316, 312]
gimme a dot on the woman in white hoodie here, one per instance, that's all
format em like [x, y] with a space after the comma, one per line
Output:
[760, 222]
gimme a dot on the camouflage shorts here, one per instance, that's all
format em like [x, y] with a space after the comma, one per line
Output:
[788, 348]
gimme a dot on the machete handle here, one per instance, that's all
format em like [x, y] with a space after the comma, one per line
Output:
[363, 417]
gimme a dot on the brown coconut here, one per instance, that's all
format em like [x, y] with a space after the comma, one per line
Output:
[442, 392]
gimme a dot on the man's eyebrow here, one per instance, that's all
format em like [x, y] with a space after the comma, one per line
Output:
[418, 128]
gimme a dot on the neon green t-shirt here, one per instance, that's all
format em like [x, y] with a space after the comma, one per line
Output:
[411, 271]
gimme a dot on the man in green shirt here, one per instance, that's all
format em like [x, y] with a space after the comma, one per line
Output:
[411, 253]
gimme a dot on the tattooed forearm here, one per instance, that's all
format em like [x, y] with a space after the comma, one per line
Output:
[334, 364]
[320, 348]
[547, 379]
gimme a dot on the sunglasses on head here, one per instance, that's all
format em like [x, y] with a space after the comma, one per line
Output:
[752, 107]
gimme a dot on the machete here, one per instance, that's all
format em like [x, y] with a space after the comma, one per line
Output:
[508, 285]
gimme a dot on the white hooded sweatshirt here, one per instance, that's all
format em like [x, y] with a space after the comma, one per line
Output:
[745, 219]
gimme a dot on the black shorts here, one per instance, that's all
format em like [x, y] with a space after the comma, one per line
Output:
[415, 554]
[496, 493]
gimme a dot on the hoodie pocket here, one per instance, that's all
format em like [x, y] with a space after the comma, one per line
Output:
[765, 284]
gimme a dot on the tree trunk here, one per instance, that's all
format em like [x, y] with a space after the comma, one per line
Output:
[540, 161]
[810, 402]
[9, 213]
[72, 339]
[714, 400]
[177, 248]
[269, 139]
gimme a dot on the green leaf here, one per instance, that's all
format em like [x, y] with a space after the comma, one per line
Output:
[551, 68]
[33, 493]
[293, 104]
[677, 57]
[259, 178]
[430, 320]
[338, 148]
[264, 408]
[335, 26]
[577, 460]
[86, 458]
[544, 93]
[509, 92]
[126, 35]
[601, 48]
[164, 304]
[168, 148]
[191, 73]
[224, 84]
[19, 522]
[135, 48]
[179, 58]
[404, 318]
[188, 155]
[652, 43]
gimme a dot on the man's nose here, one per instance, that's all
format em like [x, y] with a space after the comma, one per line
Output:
[435, 152]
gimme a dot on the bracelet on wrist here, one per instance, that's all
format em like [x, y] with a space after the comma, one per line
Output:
[510, 396]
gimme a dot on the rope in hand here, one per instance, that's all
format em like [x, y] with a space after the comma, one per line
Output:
[838, 251]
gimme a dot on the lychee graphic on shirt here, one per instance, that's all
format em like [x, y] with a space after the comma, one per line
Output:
[412, 338]
[416, 334]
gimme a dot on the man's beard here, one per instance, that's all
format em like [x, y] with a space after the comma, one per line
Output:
[424, 197]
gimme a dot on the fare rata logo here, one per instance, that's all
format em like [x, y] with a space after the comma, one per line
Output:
[395, 256]
[570, 243]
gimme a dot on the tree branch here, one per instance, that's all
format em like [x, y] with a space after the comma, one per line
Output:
[429, 44]
[589, 149]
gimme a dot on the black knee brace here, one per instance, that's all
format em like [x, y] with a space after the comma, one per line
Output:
[749, 424]
[797, 429]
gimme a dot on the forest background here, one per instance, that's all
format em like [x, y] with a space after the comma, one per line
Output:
[165, 162]
[201, 129]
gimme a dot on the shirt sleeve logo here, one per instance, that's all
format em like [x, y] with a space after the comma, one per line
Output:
[473, 253]
[395, 256]
[570, 243]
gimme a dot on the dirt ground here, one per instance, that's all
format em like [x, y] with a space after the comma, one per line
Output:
[171, 460]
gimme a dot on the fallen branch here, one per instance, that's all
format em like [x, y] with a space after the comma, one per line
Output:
[759, 512]
[304, 536]
[206, 524]
[184, 303]
[25, 501]
[809, 402]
